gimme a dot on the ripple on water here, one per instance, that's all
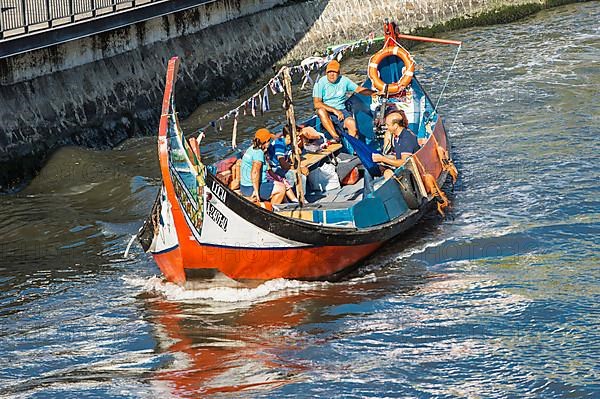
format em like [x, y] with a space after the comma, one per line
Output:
[500, 299]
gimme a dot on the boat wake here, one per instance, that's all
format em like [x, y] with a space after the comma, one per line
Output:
[222, 290]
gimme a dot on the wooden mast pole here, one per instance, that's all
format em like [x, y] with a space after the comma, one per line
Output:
[291, 118]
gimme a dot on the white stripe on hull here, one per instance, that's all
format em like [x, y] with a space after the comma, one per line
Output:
[222, 226]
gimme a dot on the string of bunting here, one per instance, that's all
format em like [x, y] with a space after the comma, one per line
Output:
[259, 101]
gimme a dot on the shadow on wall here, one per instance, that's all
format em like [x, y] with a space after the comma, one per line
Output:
[102, 103]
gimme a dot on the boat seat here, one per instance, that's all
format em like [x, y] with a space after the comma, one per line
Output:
[311, 206]
[348, 193]
[312, 161]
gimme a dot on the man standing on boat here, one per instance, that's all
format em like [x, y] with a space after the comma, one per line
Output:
[329, 97]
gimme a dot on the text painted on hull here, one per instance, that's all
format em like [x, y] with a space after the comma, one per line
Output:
[217, 216]
[218, 191]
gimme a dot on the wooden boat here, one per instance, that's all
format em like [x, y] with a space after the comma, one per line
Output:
[200, 226]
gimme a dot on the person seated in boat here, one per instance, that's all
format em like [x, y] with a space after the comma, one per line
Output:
[400, 138]
[254, 182]
[280, 155]
[329, 97]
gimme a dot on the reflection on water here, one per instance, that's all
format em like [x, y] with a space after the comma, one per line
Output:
[239, 344]
[498, 300]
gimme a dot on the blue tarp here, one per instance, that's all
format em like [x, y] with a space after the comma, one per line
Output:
[364, 153]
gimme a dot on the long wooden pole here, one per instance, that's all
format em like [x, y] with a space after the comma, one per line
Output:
[428, 39]
[401, 36]
[291, 118]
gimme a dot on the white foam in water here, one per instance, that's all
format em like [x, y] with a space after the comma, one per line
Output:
[212, 291]
[413, 251]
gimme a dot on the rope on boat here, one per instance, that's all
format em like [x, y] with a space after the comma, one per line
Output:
[275, 84]
[448, 77]
[432, 187]
[133, 237]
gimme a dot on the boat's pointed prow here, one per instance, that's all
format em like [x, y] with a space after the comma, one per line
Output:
[172, 69]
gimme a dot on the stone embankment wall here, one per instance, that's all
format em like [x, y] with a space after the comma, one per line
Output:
[99, 90]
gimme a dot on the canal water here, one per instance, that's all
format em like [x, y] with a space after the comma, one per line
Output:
[500, 299]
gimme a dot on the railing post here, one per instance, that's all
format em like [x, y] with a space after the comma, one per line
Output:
[24, 12]
[93, 8]
[71, 11]
[48, 17]
[114, 5]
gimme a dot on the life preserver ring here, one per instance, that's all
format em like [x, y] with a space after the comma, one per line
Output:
[407, 73]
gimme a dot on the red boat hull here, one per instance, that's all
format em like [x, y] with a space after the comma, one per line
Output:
[264, 264]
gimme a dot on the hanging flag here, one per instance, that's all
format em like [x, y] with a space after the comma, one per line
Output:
[259, 103]
[306, 79]
[234, 133]
[253, 106]
[266, 106]
[272, 86]
[278, 85]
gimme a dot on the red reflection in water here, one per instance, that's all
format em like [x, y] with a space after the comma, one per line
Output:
[219, 350]
[234, 351]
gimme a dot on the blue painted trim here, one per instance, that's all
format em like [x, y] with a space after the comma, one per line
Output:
[262, 249]
[165, 250]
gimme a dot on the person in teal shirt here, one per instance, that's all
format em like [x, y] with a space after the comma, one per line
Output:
[329, 97]
[254, 182]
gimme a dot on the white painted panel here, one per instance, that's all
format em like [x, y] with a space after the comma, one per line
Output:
[222, 226]
[167, 235]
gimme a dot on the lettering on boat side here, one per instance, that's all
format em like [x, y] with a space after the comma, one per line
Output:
[217, 216]
[218, 191]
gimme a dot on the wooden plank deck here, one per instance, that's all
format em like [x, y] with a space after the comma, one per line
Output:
[311, 160]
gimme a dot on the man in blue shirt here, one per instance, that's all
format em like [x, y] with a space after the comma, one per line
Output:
[329, 97]
[404, 141]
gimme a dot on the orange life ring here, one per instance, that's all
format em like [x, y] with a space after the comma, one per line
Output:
[373, 70]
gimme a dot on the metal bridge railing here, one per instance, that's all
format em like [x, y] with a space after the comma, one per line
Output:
[21, 17]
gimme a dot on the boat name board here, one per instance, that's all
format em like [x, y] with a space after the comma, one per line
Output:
[218, 191]
[216, 215]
